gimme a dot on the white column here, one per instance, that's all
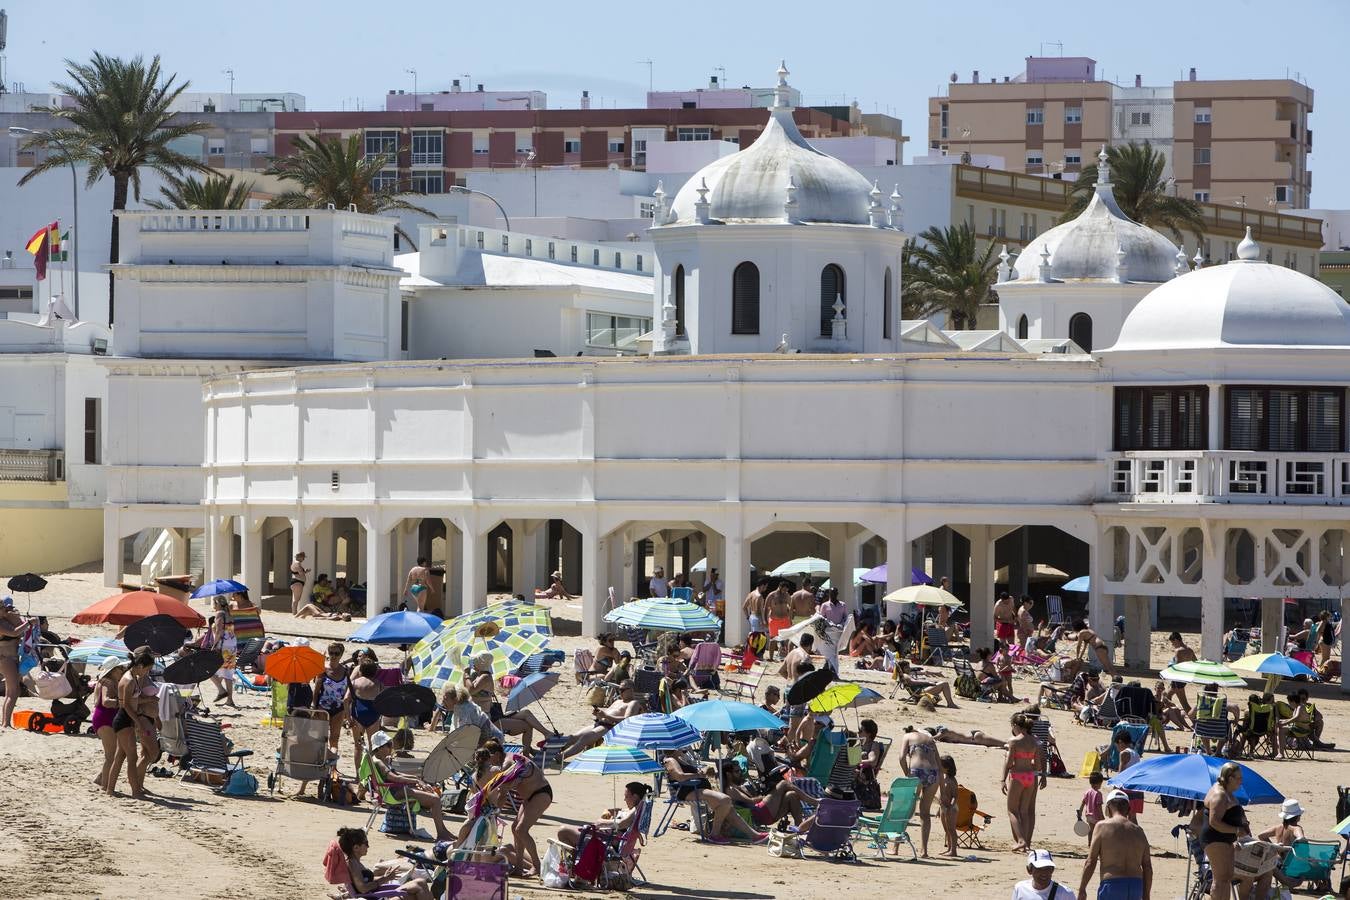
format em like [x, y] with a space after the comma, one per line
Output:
[325, 549]
[112, 548]
[376, 545]
[251, 559]
[405, 535]
[519, 562]
[898, 562]
[736, 576]
[1272, 620]
[1215, 424]
[1138, 628]
[215, 549]
[1211, 592]
[454, 567]
[304, 542]
[592, 579]
[473, 565]
[1345, 643]
[362, 562]
[1100, 605]
[841, 575]
[181, 550]
[981, 587]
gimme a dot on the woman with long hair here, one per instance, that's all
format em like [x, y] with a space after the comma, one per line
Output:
[1023, 775]
[131, 722]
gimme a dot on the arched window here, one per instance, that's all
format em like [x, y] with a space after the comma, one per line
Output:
[1080, 330]
[679, 301]
[831, 286]
[745, 299]
[1022, 328]
[886, 309]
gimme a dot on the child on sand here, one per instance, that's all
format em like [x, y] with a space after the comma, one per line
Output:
[947, 804]
[1090, 809]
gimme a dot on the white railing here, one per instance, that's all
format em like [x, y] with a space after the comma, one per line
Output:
[32, 465]
[631, 257]
[1228, 476]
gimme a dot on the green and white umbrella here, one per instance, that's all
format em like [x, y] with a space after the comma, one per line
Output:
[664, 614]
[507, 614]
[1202, 672]
[442, 657]
[857, 579]
[802, 565]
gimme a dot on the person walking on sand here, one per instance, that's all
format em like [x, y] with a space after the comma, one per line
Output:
[919, 759]
[1005, 619]
[299, 575]
[1023, 774]
[418, 584]
[1121, 848]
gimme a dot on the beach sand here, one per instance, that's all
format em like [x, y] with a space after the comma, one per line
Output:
[67, 840]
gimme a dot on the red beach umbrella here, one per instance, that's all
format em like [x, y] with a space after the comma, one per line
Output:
[123, 609]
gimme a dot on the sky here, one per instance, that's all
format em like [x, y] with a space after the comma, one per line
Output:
[889, 56]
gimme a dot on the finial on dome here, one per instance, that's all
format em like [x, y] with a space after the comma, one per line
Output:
[895, 216]
[781, 90]
[1103, 167]
[1199, 258]
[702, 211]
[660, 192]
[1181, 267]
[1004, 271]
[659, 210]
[1043, 272]
[790, 202]
[1122, 266]
[876, 213]
[1248, 250]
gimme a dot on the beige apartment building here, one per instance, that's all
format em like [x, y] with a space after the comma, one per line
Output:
[1241, 142]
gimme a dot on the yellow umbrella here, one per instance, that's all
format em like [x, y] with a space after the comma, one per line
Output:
[924, 595]
[837, 695]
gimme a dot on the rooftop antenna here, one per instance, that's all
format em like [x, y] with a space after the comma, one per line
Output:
[723, 70]
[229, 73]
[1059, 44]
[4, 31]
[648, 63]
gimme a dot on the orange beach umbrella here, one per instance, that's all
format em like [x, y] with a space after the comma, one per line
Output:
[123, 609]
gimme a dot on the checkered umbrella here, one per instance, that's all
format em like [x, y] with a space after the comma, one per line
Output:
[444, 656]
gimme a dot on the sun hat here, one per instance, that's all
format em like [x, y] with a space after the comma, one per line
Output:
[1040, 859]
[379, 739]
[1290, 809]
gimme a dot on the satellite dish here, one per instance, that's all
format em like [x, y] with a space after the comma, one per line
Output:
[954, 78]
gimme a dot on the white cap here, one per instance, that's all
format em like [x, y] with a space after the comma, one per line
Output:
[379, 739]
[1117, 794]
[1040, 859]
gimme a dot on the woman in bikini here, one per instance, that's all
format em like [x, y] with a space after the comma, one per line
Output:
[12, 627]
[330, 694]
[299, 574]
[1023, 774]
[130, 722]
[1086, 638]
[362, 690]
[682, 767]
[533, 794]
[220, 636]
[105, 711]
[483, 689]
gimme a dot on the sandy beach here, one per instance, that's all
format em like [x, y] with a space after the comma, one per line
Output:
[68, 840]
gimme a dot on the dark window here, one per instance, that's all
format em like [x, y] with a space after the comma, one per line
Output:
[1161, 418]
[831, 287]
[1022, 328]
[745, 299]
[1295, 420]
[403, 326]
[679, 301]
[886, 310]
[91, 416]
[1080, 330]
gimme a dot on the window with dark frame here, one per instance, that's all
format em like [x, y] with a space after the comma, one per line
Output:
[831, 288]
[1284, 419]
[679, 301]
[91, 426]
[745, 299]
[1167, 418]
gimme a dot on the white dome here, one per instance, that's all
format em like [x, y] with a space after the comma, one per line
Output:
[1084, 249]
[1245, 303]
[752, 186]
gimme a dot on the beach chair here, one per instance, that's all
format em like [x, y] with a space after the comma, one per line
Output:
[704, 664]
[248, 649]
[1311, 861]
[695, 801]
[965, 674]
[1138, 735]
[246, 682]
[967, 829]
[304, 754]
[745, 685]
[647, 685]
[583, 661]
[936, 645]
[1258, 730]
[1108, 714]
[832, 832]
[172, 739]
[829, 743]
[1054, 606]
[208, 754]
[621, 869]
[383, 800]
[1210, 735]
[682, 593]
[890, 828]
[1236, 643]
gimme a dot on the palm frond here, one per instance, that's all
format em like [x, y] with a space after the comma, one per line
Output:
[1140, 191]
[949, 271]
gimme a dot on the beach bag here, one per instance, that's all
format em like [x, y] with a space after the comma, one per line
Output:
[555, 866]
[854, 751]
[785, 845]
[868, 791]
[1055, 765]
[240, 784]
[1092, 762]
[966, 686]
[596, 695]
[47, 685]
[590, 856]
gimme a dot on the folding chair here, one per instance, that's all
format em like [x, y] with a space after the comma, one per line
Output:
[745, 686]
[936, 645]
[832, 833]
[967, 830]
[1207, 731]
[1137, 733]
[704, 664]
[964, 670]
[383, 800]
[1311, 861]
[583, 661]
[621, 868]
[207, 750]
[673, 802]
[890, 828]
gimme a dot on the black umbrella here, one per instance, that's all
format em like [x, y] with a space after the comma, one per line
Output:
[194, 668]
[162, 634]
[406, 700]
[809, 686]
[28, 583]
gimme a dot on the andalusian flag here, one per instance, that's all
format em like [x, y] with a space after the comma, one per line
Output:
[40, 246]
[57, 251]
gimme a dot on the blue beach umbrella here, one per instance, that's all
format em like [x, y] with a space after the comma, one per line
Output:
[729, 716]
[400, 627]
[1189, 776]
[653, 731]
[664, 614]
[218, 587]
[1081, 584]
[608, 759]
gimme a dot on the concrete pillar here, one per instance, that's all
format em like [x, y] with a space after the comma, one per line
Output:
[1138, 616]
[362, 564]
[981, 587]
[1211, 592]
[519, 564]
[454, 568]
[405, 553]
[473, 565]
[593, 564]
[217, 549]
[614, 548]
[325, 549]
[378, 588]
[251, 568]
[1345, 611]
[573, 553]
[1272, 622]
[736, 576]
[941, 542]
[1017, 564]
[181, 550]
[531, 551]
[1101, 606]
[899, 563]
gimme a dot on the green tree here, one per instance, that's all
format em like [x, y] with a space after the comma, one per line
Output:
[915, 302]
[1140, 190]
[331, 170]
[951, 272]
[119, 123]
[215, 192]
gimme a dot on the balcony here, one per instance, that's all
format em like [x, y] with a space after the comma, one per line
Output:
[1229, 476]
[32, 465]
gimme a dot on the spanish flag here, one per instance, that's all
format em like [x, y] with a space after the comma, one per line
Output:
[40, 245]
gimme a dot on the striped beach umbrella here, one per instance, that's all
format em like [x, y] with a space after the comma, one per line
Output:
[664, 614]
[654, 731]
[1202, 671]
[802, 565]
[96, 651]
[1273, 666]
[612, 760]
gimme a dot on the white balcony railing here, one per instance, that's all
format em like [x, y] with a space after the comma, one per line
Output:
[1229, 476]
[32, 465]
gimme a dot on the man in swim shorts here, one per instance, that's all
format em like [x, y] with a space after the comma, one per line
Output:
[919, 759]
[779, 603]
[1005, 618]
[1121, 847]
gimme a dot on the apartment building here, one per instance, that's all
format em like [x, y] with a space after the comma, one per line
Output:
[1239, 142]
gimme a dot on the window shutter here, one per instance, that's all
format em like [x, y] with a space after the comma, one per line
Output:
[745, 299]
[831, 286]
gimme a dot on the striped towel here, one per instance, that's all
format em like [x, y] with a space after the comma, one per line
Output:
[248, 623]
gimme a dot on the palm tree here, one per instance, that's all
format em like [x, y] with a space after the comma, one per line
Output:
[216, 192]
[119, 124]
[915, 300]
[1140, 191]
[331, 170]
[952, 273]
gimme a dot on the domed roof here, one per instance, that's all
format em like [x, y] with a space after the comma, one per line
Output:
[1244, 303]
[1085, 249]
[752, 186]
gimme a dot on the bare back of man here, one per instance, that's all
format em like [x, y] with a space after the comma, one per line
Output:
[803, 603]
[1120, 848]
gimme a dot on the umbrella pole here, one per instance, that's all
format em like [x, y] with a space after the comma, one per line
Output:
[1272, 681]
[543, 709]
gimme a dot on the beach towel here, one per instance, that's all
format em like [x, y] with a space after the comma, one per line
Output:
[335, 865]
[248, 623]
[511, 771]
